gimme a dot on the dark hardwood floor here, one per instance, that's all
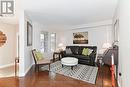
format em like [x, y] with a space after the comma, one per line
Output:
[47, 79]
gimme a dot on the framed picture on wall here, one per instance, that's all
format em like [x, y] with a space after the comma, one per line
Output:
[29, 34]
[80, 38]
[3, 38]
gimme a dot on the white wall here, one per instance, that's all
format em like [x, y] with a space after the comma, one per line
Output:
[21, 44]
[26, 59]
[115, 18]
[124, 41]
[37, 29]
[8, 50]
[97, 35]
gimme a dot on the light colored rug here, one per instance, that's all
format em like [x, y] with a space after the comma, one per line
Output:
[81, 72]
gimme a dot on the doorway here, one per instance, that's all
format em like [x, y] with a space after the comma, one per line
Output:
[9, 50]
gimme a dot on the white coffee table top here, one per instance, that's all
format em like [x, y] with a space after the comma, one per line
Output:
[69, 61]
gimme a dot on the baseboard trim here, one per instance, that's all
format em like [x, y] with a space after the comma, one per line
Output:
[119, 85]
[7, 65]
[26, 71]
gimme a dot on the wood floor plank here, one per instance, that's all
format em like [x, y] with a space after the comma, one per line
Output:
[44, 79]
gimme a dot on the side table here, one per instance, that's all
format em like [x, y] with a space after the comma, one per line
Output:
[99, 60]
[100, 64]
[57, 55]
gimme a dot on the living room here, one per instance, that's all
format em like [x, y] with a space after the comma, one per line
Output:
[98, 20]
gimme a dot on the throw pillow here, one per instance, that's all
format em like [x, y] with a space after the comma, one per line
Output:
[68, 51]
[89, 51]
[39, 56]
[85, 51]
[75, 51]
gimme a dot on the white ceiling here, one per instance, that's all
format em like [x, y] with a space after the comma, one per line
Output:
[69, 12]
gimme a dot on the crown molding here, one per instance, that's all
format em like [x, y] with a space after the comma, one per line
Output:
[92, 25]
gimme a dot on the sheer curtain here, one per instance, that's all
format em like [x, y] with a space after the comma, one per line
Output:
[53, 42]
[44, 41]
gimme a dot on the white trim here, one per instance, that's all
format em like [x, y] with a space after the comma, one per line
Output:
[119, 85]
[91, 25]
[21, 74]
[7, 65]
[21, 43]
[26, 71]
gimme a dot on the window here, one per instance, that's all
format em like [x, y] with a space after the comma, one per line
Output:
[44, 41]
[53, 42]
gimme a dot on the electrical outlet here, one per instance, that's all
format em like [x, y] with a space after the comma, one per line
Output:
[120, 74]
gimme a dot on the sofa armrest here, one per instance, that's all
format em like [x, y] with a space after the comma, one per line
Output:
[63, 53]
[93, 54]
[92, 57]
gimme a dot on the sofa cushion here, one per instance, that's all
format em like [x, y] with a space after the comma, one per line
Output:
[85, 62]
[74, 49]
[69, 55]
[90, 51]
[93, 48]
[82, 57]
[68, 51]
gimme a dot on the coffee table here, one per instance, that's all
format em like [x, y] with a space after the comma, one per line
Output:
[69, 61]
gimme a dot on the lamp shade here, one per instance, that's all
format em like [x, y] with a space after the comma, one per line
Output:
[106, 45]
[60, 45]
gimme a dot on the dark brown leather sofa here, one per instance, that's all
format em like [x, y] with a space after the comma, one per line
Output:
[82, 59]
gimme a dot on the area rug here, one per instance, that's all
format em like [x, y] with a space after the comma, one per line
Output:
[81, 72]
